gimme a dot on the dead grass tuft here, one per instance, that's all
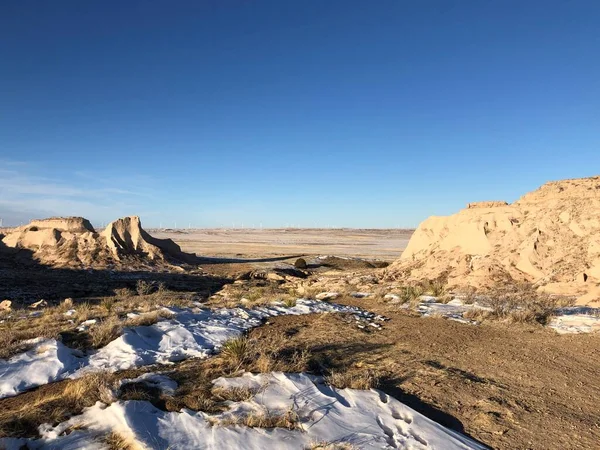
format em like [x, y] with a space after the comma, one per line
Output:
[364, 380]
[331, 446]
[123, 293]
[143, 287]
[518, 303]
[147, 319]
[119, 441]
[289, 301]
[235, 350]
[234, 394]
[263, 419]
[54, 403]
[106, 331]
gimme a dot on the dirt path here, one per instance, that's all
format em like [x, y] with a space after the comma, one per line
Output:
[509, 387]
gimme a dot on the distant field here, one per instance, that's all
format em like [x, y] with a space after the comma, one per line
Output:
[372, 243]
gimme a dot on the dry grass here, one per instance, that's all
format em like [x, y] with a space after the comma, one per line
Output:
[289, 301]
[234, 394]
[84, 311]
[143, 287]
[331, 446]
[364, 380]
[14, 331]
[263, 419]
[435, 288]
[108, 303]
[22, 415]
[123, 293]
[469, 295]
[518, 303]
[234, 351]
[119, 441]
[106, 331]
[147, 319]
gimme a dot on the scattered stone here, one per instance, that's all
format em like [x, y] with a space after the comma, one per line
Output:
[5, 305]
[327, 295]
[39, 304]
[301, 263]
[275, 277]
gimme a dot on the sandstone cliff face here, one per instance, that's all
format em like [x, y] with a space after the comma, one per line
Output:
[73, 242]
[550, 237]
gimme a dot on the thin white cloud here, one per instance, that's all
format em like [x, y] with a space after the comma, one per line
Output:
[25, 193]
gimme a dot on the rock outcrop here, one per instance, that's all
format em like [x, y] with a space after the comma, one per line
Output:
[549, 237]
[73, 242]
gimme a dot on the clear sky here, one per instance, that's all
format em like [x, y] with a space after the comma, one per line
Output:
[308, 113]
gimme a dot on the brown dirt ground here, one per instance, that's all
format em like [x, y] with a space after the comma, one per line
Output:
[510, 387]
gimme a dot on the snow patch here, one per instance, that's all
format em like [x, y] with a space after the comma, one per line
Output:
[364, 419]
[188, 334]
[576, 319]
[49, 360]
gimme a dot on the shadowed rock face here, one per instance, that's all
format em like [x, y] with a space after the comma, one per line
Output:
[550, 237]
[74, 242]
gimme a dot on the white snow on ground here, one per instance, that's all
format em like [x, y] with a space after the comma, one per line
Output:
[188, 334]
[452, 310]
[570, 319]
[47, 361]
[364, 419]
[576, 319]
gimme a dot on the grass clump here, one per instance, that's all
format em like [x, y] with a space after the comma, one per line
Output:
[234, 394]
[147, 319]
[518, 303]
[363, 380]
[106, 331]
[331, 446]
[263, 419]
[54, 403]
[234, 351]
[119, 441]
[289, 301]
[143, 287]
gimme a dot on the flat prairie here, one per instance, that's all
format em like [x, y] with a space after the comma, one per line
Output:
[384, 244]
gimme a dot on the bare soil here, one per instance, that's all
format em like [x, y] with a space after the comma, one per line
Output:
[510, 387]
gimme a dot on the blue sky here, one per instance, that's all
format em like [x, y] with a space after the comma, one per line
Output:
[311, 113]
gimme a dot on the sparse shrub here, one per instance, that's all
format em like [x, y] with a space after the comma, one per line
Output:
[161, 290]
[143, 287]
[234, 394]
[108, 304]
[469, 295]
[119, 441]
[410, 294]
[84, 311]
[289, 302]
[106, 331]
[436, 288]
[65, 305]
[363, 380]
[65, 399]
[123, 293]
[234, 350]
[147, 319]
[518, 303]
